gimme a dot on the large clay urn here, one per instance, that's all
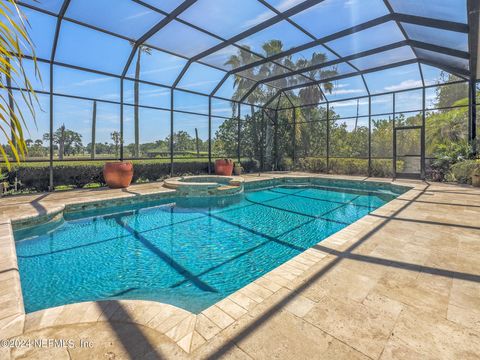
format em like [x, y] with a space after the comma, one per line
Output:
[224, 167]
[118, 174]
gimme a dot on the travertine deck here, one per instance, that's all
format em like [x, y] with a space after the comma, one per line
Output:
[402, 282]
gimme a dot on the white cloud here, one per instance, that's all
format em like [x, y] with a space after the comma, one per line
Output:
[198, 83]
[223, 109]
[287, 4]
[138, 15]
[161, 70]
[349, 3]
[347, 91]
[91, 81]
[258, 19]
[406, 84]
[148, 93]
[349, 103]
[283, 6]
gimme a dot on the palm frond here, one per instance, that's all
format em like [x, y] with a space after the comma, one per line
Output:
[14, 41]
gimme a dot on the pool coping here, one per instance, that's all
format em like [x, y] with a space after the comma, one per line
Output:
[189, 331]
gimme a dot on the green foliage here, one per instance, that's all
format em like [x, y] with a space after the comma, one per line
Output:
[225, 139]
[68, 141]
[348, 143]
[349, 166]
[384, 167]
[261, 94]
[450, 94]
[346, 166]
[446, 156]
[89, 174]
[463, 171]
[79, 175]
[446, 127]
[14, 43]
[312, 164]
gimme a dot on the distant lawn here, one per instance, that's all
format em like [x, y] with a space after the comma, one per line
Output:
[100, 162]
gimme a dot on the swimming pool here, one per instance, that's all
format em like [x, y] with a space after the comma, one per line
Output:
[190, 255]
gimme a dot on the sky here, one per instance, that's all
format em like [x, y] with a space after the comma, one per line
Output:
[84, 47]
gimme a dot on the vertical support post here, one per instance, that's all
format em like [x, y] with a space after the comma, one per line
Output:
[275, 141]
[294, 137]
[422, 140]
[171, 130]
[60, 16]
[209, 135]
[238, 133]
[328, 137]
[121, 120]
[94, 130]
[50, 166]
[263, 141]
[472, 115]
[369, 136]
[394, 137]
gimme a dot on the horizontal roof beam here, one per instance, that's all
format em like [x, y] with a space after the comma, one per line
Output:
[306, 46]
[253, 30]
[327, 64]
[321, 41]
[259, 27]
[340, 77]
[429, 22]
[378, 21]
[338, 61]
[161, 24]
[439, 49]
[417, 44]
[463, 73]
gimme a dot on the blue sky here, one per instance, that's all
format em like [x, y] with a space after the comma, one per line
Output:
[82, 46]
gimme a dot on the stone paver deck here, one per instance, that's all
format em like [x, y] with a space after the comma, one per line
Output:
[400, 283]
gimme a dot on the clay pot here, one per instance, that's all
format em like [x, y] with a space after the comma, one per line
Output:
[224, 167]
[118, 175]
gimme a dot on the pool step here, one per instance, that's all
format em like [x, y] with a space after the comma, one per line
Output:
[226, 187]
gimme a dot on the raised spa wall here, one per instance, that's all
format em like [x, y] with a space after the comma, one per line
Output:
[202, 186]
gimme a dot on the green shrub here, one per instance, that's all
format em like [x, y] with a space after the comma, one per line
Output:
[446, 156]
[382, 168]
[347, 166]
[285, 164]
[312, 164]
[462, 172]
[82, 174]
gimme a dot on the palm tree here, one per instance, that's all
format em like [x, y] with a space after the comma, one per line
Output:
[136, 89]
[262, 93]
[314, 94]
[243, 82]
[115, 136]
[14, 40]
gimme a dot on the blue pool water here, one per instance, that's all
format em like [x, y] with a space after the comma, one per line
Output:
[190, 256]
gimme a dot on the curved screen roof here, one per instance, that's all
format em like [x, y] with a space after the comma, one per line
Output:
[280, 46]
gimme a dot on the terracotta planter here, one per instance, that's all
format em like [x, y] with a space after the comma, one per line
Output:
[223, 167]
[118, 175]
